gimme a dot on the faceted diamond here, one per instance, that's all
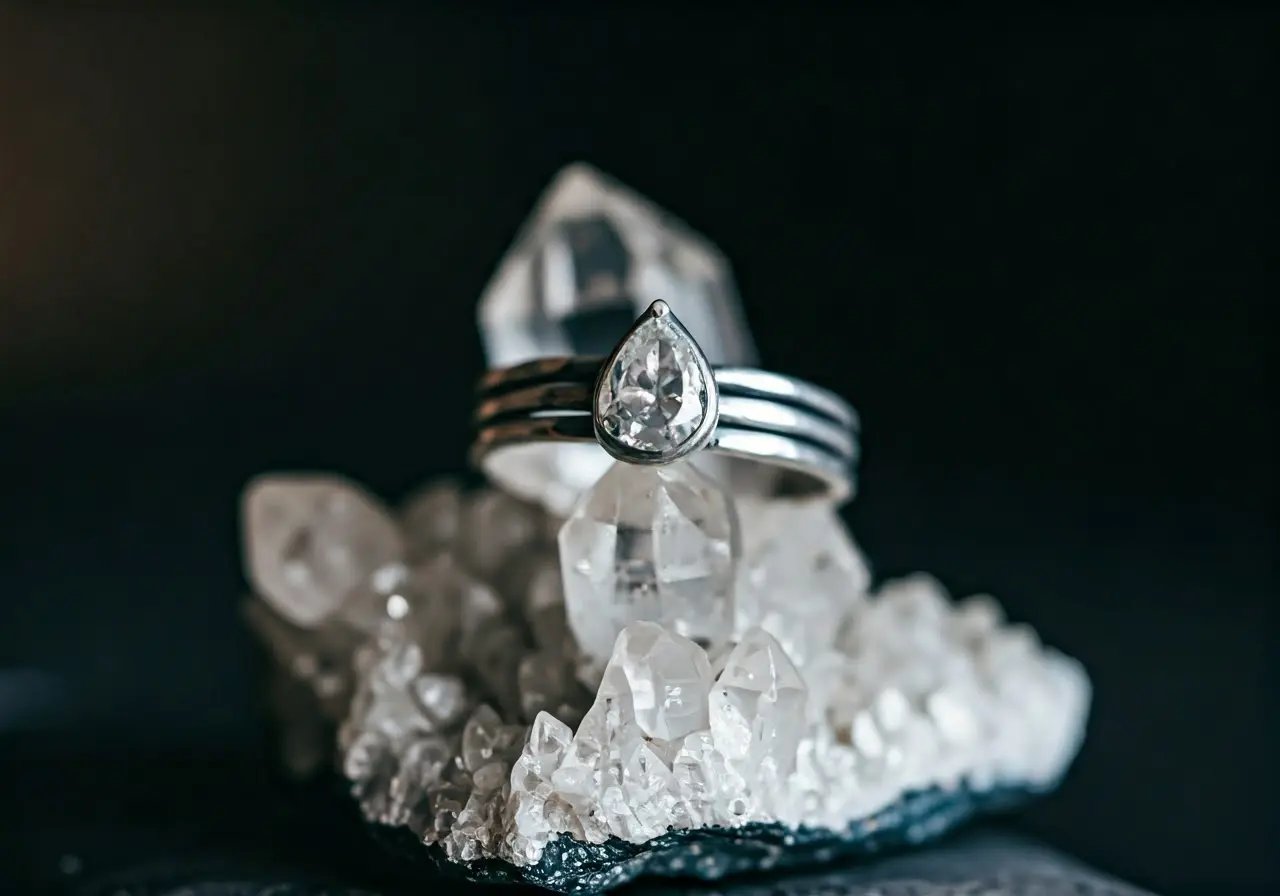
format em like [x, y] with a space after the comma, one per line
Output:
[590, 260]
[758, 708]
[800, 574]
[654, 395]
[310, 539]
[653, 544]
[669, 677]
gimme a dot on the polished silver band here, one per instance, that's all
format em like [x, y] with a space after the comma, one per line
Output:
[806, 434]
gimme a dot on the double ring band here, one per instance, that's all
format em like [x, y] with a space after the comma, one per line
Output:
[656, 399]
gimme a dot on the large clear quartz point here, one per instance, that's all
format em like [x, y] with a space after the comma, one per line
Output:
[593, 256]
[651, 544]
[799, 576]
[309, 540]
[758, 708]
[590, 260]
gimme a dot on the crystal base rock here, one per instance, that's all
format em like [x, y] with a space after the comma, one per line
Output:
[713, 853]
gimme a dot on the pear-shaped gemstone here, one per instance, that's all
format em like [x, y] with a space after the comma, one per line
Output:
[653, 396]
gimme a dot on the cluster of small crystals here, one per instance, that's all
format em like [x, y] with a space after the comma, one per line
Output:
[915, 692]
[474, 707]
[428, 638]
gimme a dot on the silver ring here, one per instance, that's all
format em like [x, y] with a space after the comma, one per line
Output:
[656, 400]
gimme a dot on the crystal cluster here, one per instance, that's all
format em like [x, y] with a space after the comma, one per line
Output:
[493, 678]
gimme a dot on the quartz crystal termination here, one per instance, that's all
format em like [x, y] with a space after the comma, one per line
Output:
[445, 681]
[799, 570]
[656, 544]
[590, 259]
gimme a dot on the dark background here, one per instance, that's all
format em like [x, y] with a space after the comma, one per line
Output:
[1031, 252]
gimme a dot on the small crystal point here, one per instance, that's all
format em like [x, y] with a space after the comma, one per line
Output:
[669, 678]
[656, 392]
[481, 737]
[309, 540]
[651, 544]
[758, 707]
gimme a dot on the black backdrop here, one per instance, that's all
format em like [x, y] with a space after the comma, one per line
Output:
[1031, 252]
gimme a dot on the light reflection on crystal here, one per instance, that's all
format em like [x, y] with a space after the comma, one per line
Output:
[655, 544]
[314, 538]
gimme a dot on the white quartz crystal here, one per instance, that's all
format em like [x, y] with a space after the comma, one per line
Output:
[758, 708]
[451, 668]
[657, 544]
[800, 570]
[310, 539]
[669, 678]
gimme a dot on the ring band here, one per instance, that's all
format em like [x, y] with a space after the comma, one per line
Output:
[656, 400]
[736, 412]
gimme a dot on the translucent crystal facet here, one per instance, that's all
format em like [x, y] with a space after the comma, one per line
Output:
[669, 677]
[653, 397]
[593, 256]
[310, 539]
[758, 707]
[655, 544]
[800, 574]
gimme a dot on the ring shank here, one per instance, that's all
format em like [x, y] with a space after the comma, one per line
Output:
[774, 435]
[525, 454]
